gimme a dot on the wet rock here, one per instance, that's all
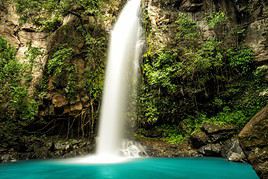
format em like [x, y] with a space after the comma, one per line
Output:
[199, 139]
[44, 148]
[262, 170]
[217, 140]
[131, 148]
[254, 141]
[59, 146]
[217, 132]
[233, 151]
[212, 150]
[159, 148]
[9, 157]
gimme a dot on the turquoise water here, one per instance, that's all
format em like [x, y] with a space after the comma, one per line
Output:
[152, 168]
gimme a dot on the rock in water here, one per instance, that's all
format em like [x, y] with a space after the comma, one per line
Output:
[233, 151]
[254, 141]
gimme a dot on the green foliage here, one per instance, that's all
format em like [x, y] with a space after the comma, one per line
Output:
[61, 68]
[7, 52]
[148, 108]
[209, 56]
[261, 71]
[71, 87]
[33, 53]
[59, 60]
[159, 73]
[197, 76]
[49, 14]
[216, 19]
[24, 107]
[240, 59]
[95, 72]
[187, 29]
[14, 101]
[228, 117]
[171, 134]
[237, 106]
[50, 25]
[166, 132]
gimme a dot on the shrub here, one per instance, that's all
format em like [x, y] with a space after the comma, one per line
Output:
[14, 101]
[216, 19]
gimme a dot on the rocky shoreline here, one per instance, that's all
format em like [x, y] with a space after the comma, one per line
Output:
[211, 141]
[46, 148]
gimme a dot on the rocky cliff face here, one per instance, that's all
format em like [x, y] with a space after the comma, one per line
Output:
[66, 97]
[22, 37]
[254, 140]
[248, 14]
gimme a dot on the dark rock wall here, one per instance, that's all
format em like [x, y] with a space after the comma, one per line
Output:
[254, 140]
[249, 14]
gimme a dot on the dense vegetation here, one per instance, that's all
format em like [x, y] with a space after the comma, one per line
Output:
[17, 108]
[198, 80]
[48, 15]
[62, 69]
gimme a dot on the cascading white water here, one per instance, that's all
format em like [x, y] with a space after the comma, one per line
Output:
[121, 71]
[119, 87]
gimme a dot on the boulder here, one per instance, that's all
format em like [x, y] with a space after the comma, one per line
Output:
[217, 128]
[233, 151]
[59, 100]
[257, 39]
[254, 142]
[8, 158]
[212, 150]
[218, 132]
[217, 140]
[199, 139]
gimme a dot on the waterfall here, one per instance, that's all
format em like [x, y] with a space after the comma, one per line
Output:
[119, 89]
[121, 74]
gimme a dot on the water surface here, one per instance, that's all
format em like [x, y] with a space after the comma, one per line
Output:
[152, 168]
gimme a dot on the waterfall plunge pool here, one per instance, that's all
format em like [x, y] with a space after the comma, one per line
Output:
[148, 168]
